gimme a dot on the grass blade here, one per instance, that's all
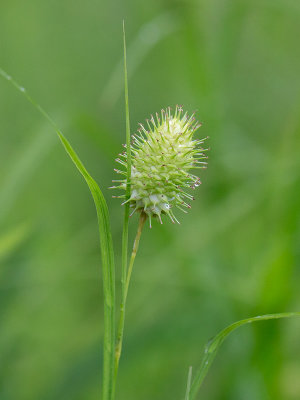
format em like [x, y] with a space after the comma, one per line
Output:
[128, 145]
[140, 47]
[126, 220]
[214, 344]
[188, 384]
[107, 254]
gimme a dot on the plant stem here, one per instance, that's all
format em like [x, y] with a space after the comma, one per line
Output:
[126, 218]
[128, 176]
[188, 385]
[118, 349]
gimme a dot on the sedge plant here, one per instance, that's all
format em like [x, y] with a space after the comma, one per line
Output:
[156, 180]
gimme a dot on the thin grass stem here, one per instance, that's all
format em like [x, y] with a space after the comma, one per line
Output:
[188, 385]
[126, 219]
[127, 195]
[120, 333]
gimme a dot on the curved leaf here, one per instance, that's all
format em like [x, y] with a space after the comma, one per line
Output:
[214, 344]
[107, 254]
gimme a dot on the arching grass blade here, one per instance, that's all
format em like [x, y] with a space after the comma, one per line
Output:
[214, 344]
[106, 245]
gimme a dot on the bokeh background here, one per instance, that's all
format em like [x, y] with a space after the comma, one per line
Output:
[236, 254]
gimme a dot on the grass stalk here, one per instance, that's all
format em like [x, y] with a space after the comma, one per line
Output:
[125, 222]
[188, 384]
[120, 333]
[126, 205]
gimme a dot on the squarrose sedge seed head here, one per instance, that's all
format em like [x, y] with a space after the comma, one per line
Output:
[162, 157]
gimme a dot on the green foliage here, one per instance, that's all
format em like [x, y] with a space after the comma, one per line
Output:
[235, 254]
[213, 345]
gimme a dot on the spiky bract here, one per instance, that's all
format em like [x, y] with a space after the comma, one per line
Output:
[161, 158]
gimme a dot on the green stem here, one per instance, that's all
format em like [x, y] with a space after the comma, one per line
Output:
[128, 151]
[118, 349]
[126, 207]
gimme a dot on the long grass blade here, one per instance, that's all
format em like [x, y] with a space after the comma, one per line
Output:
[126, 219]
[214, 344]
[163, 25]
[126, 205]
[107, 254]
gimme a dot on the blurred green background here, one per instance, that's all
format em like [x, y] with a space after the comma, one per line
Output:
[236, 254]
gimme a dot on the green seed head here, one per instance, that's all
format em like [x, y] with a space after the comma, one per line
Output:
[162, 157]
